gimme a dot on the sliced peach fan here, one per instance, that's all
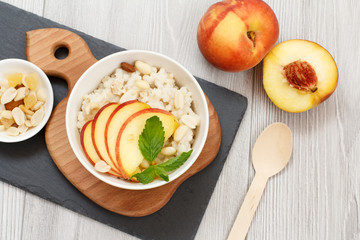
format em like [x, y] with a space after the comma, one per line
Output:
[112, 137]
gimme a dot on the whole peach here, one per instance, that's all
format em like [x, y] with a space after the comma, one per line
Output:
[235, 35]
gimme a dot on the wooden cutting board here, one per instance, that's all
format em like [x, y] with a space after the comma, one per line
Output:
[41, 47]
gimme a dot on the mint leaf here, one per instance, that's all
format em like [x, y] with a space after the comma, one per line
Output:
[152, 138]
[151, 141]
[175, 162]
[145, 176]
[160, 172]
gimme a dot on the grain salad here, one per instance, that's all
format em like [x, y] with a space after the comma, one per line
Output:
[153, 86]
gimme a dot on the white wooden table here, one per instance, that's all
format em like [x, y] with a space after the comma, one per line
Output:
[316, 197]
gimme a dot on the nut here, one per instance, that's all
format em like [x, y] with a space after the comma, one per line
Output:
[23, 82]
[127, 67]
[180, 133]
[26, 111]
[19, 116]
[30, 100]
[158, 160]
[8, 95]
[7, 122]
[168, 151]
[13, 104]
[301, 75]
[102, 167]
[41, 95]
[189, 121]
[141, 84]
[23, 128]
[37, 117]
[179, 100]
[2, 90]
[4, 84]
[129, 95]
[144, 163]
[6, 114]
[197, 118]
[37, 106]
[12, 131]
[143, 68]
[28, 123]
[21, 93]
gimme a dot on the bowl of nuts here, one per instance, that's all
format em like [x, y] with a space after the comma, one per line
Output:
[26, 100]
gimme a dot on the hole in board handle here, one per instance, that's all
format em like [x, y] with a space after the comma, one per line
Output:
[61, 52]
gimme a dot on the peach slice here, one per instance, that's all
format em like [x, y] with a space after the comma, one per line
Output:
[299, 75]
[115, 122]
[88, 147]
[127, 150]
[98, 133]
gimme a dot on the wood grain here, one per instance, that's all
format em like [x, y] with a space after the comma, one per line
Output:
[41, 46]
[318, 194]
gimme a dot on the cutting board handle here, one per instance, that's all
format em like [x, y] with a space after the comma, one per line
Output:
[42, 45]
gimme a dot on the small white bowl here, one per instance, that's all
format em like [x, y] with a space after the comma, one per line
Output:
[13, 65]
[90, 80]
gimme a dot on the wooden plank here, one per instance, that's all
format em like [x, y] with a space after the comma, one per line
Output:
[308, 200]
[11, 211]
[316, 197]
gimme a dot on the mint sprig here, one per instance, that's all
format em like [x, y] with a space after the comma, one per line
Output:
[151, 141]
[175, 162]
[145, 176]
[152, 138]
[161, 170]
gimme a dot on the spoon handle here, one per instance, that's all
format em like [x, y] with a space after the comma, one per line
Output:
[248, 208]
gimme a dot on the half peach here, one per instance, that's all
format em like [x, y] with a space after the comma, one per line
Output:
[299, 75]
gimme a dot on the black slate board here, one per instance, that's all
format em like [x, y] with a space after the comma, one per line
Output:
[33, 170]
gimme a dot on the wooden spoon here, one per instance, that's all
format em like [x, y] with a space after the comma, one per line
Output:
[271, 153]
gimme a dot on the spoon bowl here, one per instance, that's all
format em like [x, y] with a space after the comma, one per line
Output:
[272, 149]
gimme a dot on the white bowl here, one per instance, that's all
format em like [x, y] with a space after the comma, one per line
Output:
[90, 80]
[11, 65]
